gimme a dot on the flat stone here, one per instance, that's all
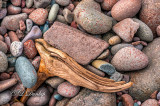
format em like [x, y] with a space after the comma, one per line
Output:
[75, 43]
[146, 81]
[91, 98]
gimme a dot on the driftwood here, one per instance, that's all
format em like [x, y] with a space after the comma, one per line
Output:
[57, 63]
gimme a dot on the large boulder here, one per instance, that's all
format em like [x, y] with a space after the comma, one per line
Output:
[146, 81]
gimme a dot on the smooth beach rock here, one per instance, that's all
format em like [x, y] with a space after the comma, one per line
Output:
[125, 9]
[66, 89]
[39, 16]
[144, 32]
[29, 3]
[29, 24]
[127, 100]
[126, 29]
[3, 13]
[129, 59]
[20, 34]
[93, 21]
[150, 14]
[158, 30]
[53, 12]
[61, 19]
[83, 46]
[146, 81]
[1, 38]
[42, 3]
[114, 40]
[16, 48]
[4, 76]
[107, 36]
[108, 4]
[140, 46]
[13, 36]
[117, 47]
[35, 33]
[116, 76]
[3, 47]
[3, 62]
[5, 97]
[54, 81]
[30, 49]
[104, 55]
[63, 2]
[13, 10]
[40, 99]
[104, 66]
[91, 98]
[13, 21]
[26, 72]
[58, 97]
[150, 102]
[3, 30]
[68, 15]
[16, 2]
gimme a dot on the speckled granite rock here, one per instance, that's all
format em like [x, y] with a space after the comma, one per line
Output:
[146, 81]
[13, 21]
[90, 98]
[80, 46]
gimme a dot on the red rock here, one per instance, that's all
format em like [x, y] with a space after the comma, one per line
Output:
[150, 102]
[125, 9]
[108, 4]
[29, 49]
[154, 94]
[158, 30]
[13, 36]
[4, 76]
[126, 29]
[74, 24]
[22, 25]
[80, 46]
[23, 3]
[36, 62]
[150, 14]
[127, 100]
[39, 16]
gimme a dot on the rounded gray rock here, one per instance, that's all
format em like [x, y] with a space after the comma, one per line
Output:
[3, 62]
[146, 81]
[5, 97]
[144, 32]
[3, 47]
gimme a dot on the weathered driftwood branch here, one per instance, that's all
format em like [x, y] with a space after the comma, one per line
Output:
[57, 63]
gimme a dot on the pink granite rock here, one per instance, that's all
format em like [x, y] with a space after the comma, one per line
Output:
[80, 46]
[108, 4]
[125, 9]
[13, 9]
[39, 16]
[127, 100]
[126, 29]
[150, 102]
[129, 59]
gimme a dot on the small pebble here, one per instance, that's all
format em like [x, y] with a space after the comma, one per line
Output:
[36, 62]
[30, 49]
[22, 25]
[46, 27]
[68, 15]
[19, 34]
[114, 40]
[53, 12]
[42, 3]
[16, 48]
[155, 95]
[13, 10]
[61, 19]
[139, 47]
[11, 60]
[63, 2]
[136, 39]
[54, 81]
[107, 36]
[150, 102]
[39, 16]
[3, 62]
[108, 4]
[58, 97]
[74, 24]
[52, 101]
[127, 100]
[3, 30]
[136, 104]
[120, 104]
[26, 72]
[41, 99]
[104, 54]
[139, 103]
[66, 89]
[94, 70]
[126, 29]
[104, 66]
[29, 24]
[116, 76]
[70, 7]
[3, 47]
[5, 97]
[29, 3]
[126, 78]
[35, 33]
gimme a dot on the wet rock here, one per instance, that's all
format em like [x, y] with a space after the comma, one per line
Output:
[41, 99]
[129, 59]
[150, 14]
[91, 98]
[125, 9]
[146, 81]
[14, 21]
[126, 29]
[3, 62]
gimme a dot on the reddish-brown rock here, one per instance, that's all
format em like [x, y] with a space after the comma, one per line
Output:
[150, 14]
[127, 100]
[80, 46]
[158, 30]
[108, 4]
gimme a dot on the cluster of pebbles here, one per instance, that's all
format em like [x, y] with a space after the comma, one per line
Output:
[117, 39]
